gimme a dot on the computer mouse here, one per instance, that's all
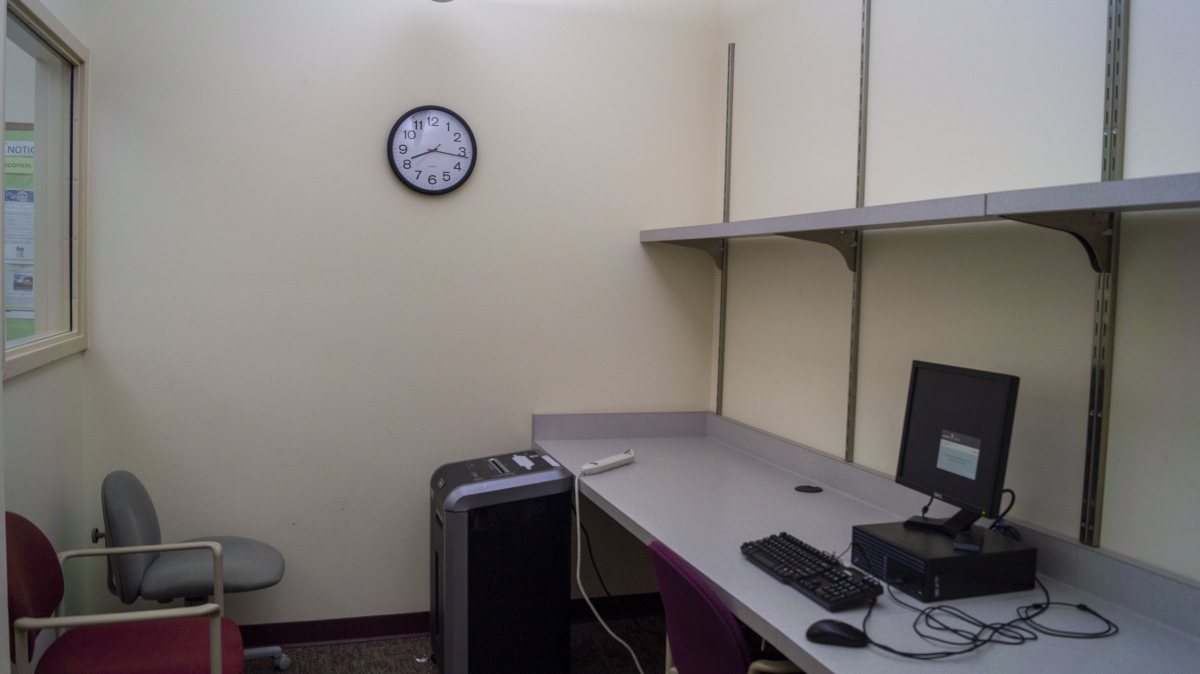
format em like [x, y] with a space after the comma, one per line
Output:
[836, 633]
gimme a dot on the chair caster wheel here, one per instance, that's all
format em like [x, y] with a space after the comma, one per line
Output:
[282, 662]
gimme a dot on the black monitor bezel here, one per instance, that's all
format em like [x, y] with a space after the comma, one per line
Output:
[1006, 437]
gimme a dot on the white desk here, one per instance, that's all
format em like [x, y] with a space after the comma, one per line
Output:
[703, 498]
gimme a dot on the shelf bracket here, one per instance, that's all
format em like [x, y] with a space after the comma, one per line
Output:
[714, 247]
[844, 240]
[1093, 229]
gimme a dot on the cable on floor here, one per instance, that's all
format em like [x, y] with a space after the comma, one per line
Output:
[579, 580]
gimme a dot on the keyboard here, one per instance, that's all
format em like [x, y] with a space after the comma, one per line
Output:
[817, 575]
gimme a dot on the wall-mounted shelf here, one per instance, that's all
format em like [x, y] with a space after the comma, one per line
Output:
[1085, 211]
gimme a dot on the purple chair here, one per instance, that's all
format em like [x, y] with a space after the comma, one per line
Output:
[707, 639]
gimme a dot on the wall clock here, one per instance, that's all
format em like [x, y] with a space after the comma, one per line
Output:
[431, 150]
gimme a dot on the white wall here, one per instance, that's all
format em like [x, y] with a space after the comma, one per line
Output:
[787, 340]
[42, 434]
[1152, 488]
[795, 105]
[72, 14]
[966, 98]
[970, 97]
[286, 341]
[795, 133]
[1161, 133]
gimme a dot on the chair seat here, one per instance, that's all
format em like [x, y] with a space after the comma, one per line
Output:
[249, 565]
[163, 647]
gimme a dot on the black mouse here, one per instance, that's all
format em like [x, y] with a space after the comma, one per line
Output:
[836, 633]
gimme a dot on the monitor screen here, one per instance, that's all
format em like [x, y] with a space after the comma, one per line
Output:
[956, 434]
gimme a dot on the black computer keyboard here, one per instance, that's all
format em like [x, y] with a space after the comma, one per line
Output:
[817, 575]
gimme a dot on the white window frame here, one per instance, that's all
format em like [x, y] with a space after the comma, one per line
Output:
[21, 359]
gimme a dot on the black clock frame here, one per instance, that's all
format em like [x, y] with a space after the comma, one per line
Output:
[417, 188]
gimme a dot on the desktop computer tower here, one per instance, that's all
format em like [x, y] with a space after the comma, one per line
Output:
[500, 569]
[925, 565]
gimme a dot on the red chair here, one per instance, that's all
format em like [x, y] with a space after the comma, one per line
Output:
[703, 637]
[191, 640]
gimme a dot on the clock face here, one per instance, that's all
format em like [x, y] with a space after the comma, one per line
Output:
[431, 150]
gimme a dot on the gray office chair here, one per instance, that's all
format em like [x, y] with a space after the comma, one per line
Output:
[130, 519]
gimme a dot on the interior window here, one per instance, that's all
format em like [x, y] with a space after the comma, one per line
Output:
[37, 188]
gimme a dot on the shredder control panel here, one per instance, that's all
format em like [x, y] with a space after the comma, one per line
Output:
[452, 475]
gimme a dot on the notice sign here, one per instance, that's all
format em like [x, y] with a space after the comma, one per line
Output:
[18, 226]
[959, 454]
[18, 253]
[18, 156]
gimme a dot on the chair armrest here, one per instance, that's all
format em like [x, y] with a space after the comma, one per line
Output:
[22, 626]
[772, 667]
[217, 552]
[28, 624]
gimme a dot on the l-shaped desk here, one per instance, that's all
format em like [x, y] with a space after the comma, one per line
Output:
[703, 485]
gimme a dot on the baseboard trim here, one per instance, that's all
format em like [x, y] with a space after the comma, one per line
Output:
[336, 631]
[411, 625]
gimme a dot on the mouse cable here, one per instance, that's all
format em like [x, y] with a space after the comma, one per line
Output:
[931, 655]
[604, 586]
[1028, 614]
[961, 629]
[1025, 621]
[956, 626]
[579, 579]
[967, 640]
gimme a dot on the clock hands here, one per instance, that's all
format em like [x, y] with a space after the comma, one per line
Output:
[434, 149]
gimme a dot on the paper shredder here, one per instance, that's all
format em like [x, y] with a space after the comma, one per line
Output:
[500, 576]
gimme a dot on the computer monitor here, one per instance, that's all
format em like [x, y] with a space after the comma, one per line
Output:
[955, 443]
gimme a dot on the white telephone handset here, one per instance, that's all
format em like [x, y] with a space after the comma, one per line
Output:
[608, 463]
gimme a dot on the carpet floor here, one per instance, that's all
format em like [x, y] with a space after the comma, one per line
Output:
[593, 651]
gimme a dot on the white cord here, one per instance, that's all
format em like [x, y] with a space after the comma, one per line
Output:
[579, 579]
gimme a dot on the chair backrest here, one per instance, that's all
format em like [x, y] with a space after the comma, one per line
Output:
[704, 636]
[35, 580]
[129, 519]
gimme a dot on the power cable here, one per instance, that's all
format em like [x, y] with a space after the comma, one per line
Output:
[616, 598]
[579, 579]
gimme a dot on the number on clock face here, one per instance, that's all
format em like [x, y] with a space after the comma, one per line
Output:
[431, 150]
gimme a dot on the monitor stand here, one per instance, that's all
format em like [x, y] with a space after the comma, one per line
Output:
[952, 526]
[966, 537]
